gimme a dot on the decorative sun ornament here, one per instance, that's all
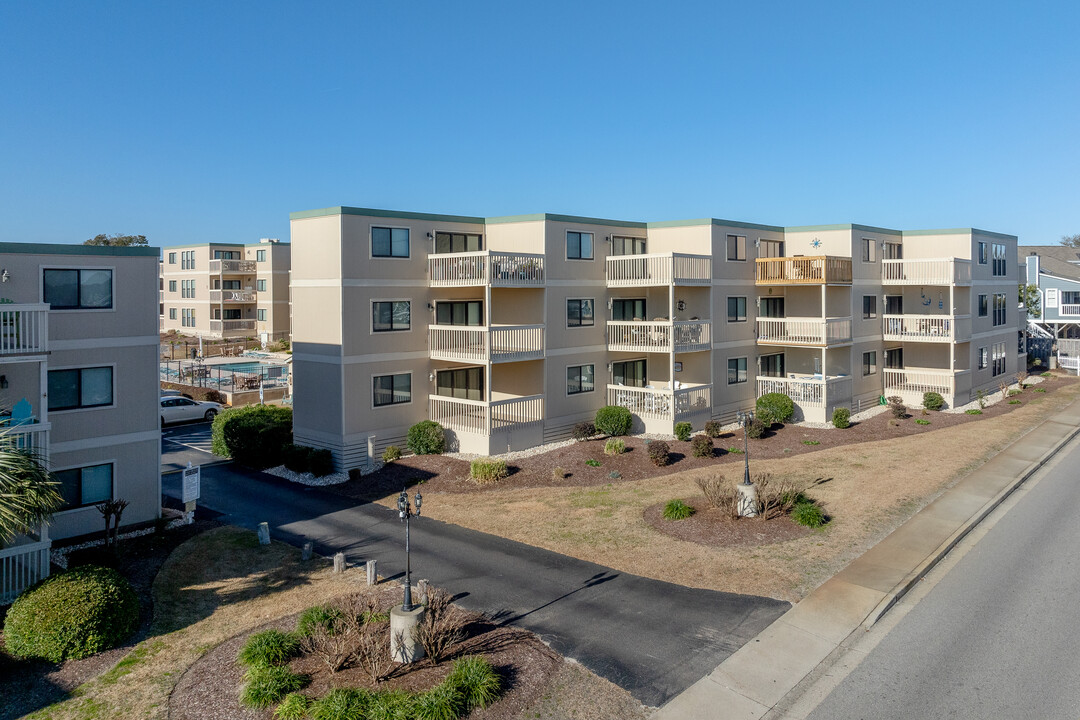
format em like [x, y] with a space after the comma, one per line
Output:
[815, 243]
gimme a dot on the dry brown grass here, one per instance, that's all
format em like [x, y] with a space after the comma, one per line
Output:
[870, 490]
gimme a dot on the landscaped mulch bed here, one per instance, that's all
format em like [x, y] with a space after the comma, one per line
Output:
[451, 475]
[709, 526]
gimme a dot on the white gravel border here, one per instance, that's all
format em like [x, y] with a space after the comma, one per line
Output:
[59, 556]
[307, 478]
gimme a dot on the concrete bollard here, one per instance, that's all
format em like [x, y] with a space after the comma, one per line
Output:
[422, 591]
[372, 572]
[747, 500]
[339, 563]
[403, 646]
[306, 551]
[264, 533]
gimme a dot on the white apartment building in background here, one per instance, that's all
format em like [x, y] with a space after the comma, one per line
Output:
[225, 290]
[510, 330]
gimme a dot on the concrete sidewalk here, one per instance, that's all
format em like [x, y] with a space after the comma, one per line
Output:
[757, 676]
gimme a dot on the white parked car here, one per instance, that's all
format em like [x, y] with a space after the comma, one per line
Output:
[179, 409]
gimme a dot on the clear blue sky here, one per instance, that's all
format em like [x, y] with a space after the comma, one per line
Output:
[212, 121]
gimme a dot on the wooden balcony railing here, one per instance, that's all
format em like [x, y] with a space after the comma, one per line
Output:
[479, 417]
[928, 271]
[927, 328]
[804, 331]
[217, 267]
[660, 336]
[498, 269]
[808, 392]
[658, 269]
[498, 343]
[823, 270]
[24, 329]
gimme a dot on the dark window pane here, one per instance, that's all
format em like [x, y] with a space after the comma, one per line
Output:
[380, 242]
[62, 288]
[586, 245]
[70, 486]
[381, 316]
[96, 484]
[63, 389]
[586, 312]
[399, 241]
[573, 312]
[573, 245]
[96, 386]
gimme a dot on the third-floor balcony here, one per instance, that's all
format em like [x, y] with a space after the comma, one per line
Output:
[226, 267]
[477, 343]
[24, 329]
[233, 296]
[927, 328]
[815, 332]
[927, 271]
[486, 267]
[821, 270]
[658, 269]
[664, 336]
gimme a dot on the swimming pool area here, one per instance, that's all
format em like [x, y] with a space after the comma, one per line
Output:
[233, 376]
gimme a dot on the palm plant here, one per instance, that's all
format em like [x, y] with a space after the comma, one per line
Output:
[28, 494]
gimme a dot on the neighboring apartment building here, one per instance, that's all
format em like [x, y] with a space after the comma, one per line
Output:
[78, 374]
[510, 330]
[224, 291]
[1055, 270]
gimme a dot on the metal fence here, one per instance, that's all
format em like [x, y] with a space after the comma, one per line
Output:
[188, 372]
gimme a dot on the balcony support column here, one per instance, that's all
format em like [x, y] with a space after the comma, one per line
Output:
[671, 339]
[487, 352]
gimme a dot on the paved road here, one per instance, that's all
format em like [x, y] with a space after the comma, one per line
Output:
[997, 637]
[652, 638]
[181, 444]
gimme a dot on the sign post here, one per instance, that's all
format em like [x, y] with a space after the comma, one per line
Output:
[190, 491]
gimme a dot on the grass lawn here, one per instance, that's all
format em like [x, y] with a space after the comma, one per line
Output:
[872, 488]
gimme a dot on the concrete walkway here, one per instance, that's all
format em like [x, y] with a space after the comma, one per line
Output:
[750, 682]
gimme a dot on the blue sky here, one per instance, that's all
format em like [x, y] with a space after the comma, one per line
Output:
[211, 122]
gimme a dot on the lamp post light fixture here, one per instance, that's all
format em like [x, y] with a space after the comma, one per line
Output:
[745, 419]
[405, 512]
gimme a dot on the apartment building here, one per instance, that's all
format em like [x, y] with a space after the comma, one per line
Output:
[226, 291]
[1055, 270]
[509, 330]
[78, 374]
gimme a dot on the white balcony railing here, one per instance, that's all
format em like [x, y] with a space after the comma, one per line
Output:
[233, 296]
[22, 565]
[662, 404]
[28, 436]
[929, 271]
[659, 269]
[918, 381]
[809, 392]
[498, 343]
[660, 336]
[217, 267]
[1069, 309]
[231, 325]
[498, 269]
[479, 417]
[927, 328]
[821, 270]
[24, 329]
[804, 331]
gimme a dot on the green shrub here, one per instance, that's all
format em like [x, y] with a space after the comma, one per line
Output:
[659, 452]
[583, 431]
[841, 418]
[592, 463]
[756, 429]
[714, 429]
[677, 510]
[933, 401]
[920, 421]
[683, 430]
[269, 647]
[811, 442]
[293, 707]
[974, 411]
[775, 408]
[809, 514]
[614, 446]
[253, 435]
[735, 450]
[442, 702]
[321, 462]
[476, 681]
[341, 704]
[426, 437]
[701, 446]
[613, 420]
[486, 470]
[980, 395]
[391, 705]
[1015, 402]
[266, 685]
[72, 615]
[390, 454]
[324, 616]
[1040, 389]
[897, 407]
[614, 474]
[296, 457]
[1048, 374]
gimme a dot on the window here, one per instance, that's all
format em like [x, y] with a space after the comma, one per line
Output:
[869, 306]
[627, 245]
[187, 317]
[579, 313]
[579, 246]
[869, 250]
[390, 316]
[172, 313]
[772, 365]
[85, 486]
[869, 363]
[632, 373]
[390, 242]
[983, 306]
[187, 288]
[226, 255]
[172, 258]
[999, 267]
[894, 304]
[260, 256]
[770, 248]
[999, 309]
[187, 260]
[78, 289]
[392, 389]
[230, 314]
[998, 358]
[894, 251]
[982, 358]
[736, 247]
[260, 314]
[172, 286]
[462, 312]
[226, 284]
[465, 383]
[772, 307]
[633, 309]
[982, 253]
[458, 242]
[579, 379]
[736, 309]
[736, 371]
[80, 388]
[260, 285]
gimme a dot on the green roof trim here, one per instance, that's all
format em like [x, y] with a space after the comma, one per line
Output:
[554, 217]
[962, 231]
[202, 245]
[843, 226]
[18, 248]
[372, 212]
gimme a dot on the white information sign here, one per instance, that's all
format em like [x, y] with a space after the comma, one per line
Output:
[191, 484]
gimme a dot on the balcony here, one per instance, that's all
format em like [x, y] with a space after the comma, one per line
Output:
[814, 332]
[485, 418]
[911, 383]
[232, 267]
[28, 436]
[24, 329]
[498, 343]
[23, 564]
[658, 269]
[233, 296]
[823, 270]
[661, 336]
[1069, 309]
[932, 271]
[814, 395]
[659, 409]
[231, 326]
[497, 269]
[928, 328]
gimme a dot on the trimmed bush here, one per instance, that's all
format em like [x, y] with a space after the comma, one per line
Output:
[773, 408]
[318, 616]
[592, 463]
[658, 453]
[809, 514]
[613, 420]
[72, 615]
[442, 702]
[293, 707]
[297, 458]
[897, 407]
[920, 421]
[426, 437]
[701, 446]
[476, 681]
[320, 462]
[254, 435]
[486, 470]
[390, 454]
[270, 647]
[341, 704]
[583, 431]
[714, 429]
[841, 418]
[683, 430]
[933, 401]
[614, 446]
[677, 510]
[756, 429]
[266, 685]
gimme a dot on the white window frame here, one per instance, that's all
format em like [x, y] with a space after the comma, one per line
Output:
[371, 316]
[746, 371]
[371, 242]
[566, 373]
[412, 390]
[567, 313]
[592, 245]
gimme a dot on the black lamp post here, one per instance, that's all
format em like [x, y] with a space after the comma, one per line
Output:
[405, 513]
[745, 419]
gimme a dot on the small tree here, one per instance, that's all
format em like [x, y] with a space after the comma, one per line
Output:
[111, 511]
[28, 494]
[118, 240]
[1071, 240]
[1030, 298]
